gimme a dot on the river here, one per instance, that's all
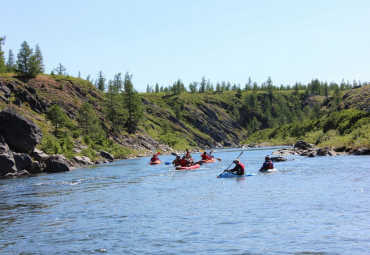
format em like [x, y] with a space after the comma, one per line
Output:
[310, 206]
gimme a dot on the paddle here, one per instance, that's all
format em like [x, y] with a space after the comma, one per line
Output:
[229, 165]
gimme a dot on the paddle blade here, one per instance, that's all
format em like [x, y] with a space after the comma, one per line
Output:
[167, 163]
[218, 159]
[174, 154]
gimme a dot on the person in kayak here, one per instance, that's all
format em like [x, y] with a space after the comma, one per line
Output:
[210, 154]
[154, 158]
[188, 157]
[177, 160]
[267, 164]
[238, 169]
[184, 162]
[205, 156]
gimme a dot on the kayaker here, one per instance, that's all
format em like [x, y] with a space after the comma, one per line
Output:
[188, 157]
[184, 162]
[205, 156]
[177, 160]
[154, 158]
[210, 154]
[267, 164]
[238, 169]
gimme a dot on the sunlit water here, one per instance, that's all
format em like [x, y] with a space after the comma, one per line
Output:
[311, 206]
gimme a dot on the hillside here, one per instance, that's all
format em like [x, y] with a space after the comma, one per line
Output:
[173, 120]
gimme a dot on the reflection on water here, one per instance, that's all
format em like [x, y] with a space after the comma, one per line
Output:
[311, 206]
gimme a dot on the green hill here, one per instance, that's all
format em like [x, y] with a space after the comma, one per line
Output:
[179, 120]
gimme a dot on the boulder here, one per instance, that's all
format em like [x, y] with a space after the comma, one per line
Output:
[3, 145]
[82, 160]
[107, 155]
[7, 164]
[303, 145]
[360, 151]
[278, 159]
[325, 152]
[39, 155]
[22, 161]
[58, 163]
[312, 154]
[20, 134]
[34, 168]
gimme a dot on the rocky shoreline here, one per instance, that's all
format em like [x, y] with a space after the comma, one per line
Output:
[19, 155]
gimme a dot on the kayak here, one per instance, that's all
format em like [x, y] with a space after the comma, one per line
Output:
[155, 162]
[273, 170]
[187, 167]
[231, 175]
[208, 161]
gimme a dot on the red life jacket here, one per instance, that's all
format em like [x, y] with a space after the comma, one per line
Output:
[270, 165]
[205, 157]
[183, 162]
[242, 168]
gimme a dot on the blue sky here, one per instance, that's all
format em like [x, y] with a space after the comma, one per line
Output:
[230, 40]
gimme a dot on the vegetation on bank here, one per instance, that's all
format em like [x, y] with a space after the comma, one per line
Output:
[83, 116]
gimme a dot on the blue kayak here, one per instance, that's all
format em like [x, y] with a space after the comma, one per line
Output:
[230, 175]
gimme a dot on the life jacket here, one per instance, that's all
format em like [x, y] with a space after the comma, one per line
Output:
[183, 162]
[240, 169]
[270, 165]
[205, 157]
[154, 158]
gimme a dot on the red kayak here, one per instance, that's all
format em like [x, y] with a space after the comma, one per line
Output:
[208, 161]
[155, 162]
[187, 167]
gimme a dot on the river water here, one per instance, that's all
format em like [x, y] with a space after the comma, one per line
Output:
[310, 206]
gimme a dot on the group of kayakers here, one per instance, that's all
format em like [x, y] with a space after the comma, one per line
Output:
[187, 160]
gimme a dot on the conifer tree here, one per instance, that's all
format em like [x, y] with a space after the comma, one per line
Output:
[132, 104]
[89, 122]
[39, 61]
[2, 58]
[101, 82]
[24, 58]
[60, 70]
[57, 117]
[10, 63]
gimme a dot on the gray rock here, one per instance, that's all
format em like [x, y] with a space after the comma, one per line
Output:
[58, 163]
[39, 155]
[34, 168]
[22, 161]
[278, 159]
[303, 145]
[4, 148]
[20, 134]
[7, 164]
[107, 155]
[82, 160]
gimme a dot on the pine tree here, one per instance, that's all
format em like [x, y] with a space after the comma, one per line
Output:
[132, 104]
[10, 63]
[114, 110]
[101, 82]
[2, 58]
[39, 61]
[89, 122]
[57, 117]
[24, 58]
[60, 70]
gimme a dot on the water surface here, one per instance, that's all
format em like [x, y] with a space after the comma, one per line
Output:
[311, 206]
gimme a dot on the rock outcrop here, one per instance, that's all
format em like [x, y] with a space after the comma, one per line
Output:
[58, 163]
[21, 134]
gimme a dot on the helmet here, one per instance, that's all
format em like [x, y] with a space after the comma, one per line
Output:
[236, 161]
[267, 158]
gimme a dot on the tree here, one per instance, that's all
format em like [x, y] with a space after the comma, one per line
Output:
[203, 84]
[114, 110]
[89, 122]
[101, 82]
[38, 61]
[132, 104]
[156, 88]
[2, 58]
[57, 117]
[60, 70]
[10, 63]
[24, 58]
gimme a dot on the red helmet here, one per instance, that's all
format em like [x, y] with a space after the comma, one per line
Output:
[267, 158]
